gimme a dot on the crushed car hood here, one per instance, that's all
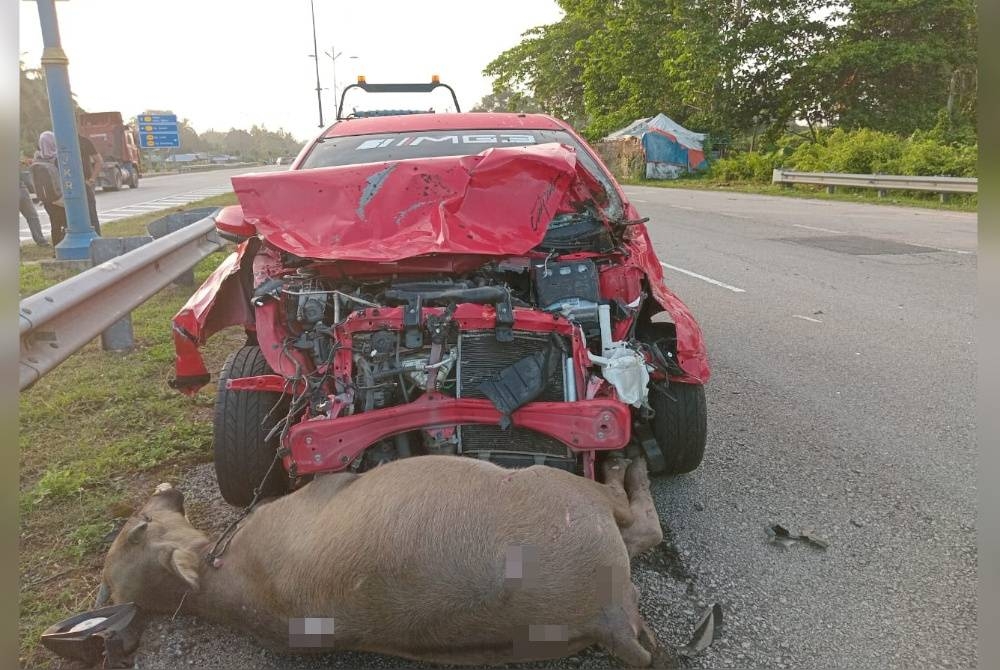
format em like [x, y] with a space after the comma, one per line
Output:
[498, 202]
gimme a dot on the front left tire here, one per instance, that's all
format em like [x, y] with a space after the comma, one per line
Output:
[242, 421]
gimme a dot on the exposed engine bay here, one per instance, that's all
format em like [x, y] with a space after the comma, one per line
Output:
[505, 305]
[359, 365]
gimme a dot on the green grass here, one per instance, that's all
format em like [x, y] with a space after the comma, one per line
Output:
[96, 435]
[960, 203]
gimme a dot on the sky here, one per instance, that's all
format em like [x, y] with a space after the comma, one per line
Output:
[235, 63]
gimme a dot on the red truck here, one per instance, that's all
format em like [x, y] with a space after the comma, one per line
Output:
[116, 142]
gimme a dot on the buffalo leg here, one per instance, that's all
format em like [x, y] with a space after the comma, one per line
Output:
[626, 635]
[645, 532]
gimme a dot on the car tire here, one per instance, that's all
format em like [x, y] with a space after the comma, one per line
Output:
[242, 421]
[680, 426]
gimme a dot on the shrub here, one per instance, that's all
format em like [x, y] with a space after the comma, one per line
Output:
[751, 166]
[863, 151]
[929, 157]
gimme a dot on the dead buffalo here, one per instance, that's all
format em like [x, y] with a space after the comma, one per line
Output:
[440, 558]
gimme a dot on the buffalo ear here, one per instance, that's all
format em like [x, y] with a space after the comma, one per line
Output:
[137, 532]
[185, 563]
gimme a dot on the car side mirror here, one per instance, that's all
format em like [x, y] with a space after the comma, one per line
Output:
[232, 226]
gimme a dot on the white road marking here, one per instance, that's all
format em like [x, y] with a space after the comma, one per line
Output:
[822, 230]
[637, 200]
[135, 209]
[716, 282]
[806, 318]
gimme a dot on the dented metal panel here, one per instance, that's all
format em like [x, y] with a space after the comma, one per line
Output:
[498, 202]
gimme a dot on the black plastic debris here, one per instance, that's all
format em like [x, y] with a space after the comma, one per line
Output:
[106, 636]
[704, 635]
[781, 536]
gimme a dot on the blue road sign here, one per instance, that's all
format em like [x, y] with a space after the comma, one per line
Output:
[157, 140]
[157, 128]
[157, 118]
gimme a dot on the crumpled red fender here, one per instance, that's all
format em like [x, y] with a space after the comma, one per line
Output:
[222, 301]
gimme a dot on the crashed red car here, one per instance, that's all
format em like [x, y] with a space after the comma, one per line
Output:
[473, 284]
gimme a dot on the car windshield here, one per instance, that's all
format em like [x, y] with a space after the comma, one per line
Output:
[357, 149]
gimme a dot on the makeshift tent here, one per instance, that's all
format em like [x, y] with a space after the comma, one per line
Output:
[670, 148]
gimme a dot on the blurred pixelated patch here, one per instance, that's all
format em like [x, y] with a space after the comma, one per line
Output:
[310, 632]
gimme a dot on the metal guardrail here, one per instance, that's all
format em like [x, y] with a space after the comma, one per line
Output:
[206, 167]
[882, 182]
[57, 322]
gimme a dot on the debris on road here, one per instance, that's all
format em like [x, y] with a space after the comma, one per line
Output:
[704, 634]
[782, 537]
[106, 636]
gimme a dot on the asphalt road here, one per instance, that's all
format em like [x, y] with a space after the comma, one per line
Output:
[843, 401]
[841, 404]
[155, 192]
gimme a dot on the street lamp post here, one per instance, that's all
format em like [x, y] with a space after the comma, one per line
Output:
[315, 55]
[333, 55]
[79, 231]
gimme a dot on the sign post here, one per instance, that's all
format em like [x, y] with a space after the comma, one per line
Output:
[79, 230]
[157, 131]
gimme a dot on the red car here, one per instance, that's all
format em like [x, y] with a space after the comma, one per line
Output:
[473, 284]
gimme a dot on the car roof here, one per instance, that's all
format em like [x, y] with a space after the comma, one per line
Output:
[407, 123]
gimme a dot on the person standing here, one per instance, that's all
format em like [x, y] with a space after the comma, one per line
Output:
[92, 165]
[30, 214]
[45, 175]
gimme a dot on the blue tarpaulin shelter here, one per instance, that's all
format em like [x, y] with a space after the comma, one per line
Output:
[670, 148]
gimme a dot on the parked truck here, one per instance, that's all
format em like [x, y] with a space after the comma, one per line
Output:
[116, 142]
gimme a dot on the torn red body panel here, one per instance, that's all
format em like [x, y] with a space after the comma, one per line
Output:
[222, 300]
[392, 211]
[691, 353]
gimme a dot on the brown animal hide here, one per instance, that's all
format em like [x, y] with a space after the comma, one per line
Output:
[436, 558]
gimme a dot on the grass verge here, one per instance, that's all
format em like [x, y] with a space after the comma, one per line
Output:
[958, 203]
[96, 435]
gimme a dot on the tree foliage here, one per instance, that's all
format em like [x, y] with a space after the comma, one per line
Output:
[742, 66]
[35, 115]
[897, 63]
[506, 100]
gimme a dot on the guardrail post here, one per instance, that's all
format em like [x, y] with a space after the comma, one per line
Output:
[882, 193]
[831, 189]
[174, 222]
[944, 197]
[119, 336]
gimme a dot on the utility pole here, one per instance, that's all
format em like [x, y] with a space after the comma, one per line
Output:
[333, 55]
[319, 97]
[336, 55]
[79, 231]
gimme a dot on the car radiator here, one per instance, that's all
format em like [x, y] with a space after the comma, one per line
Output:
[482, 357]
